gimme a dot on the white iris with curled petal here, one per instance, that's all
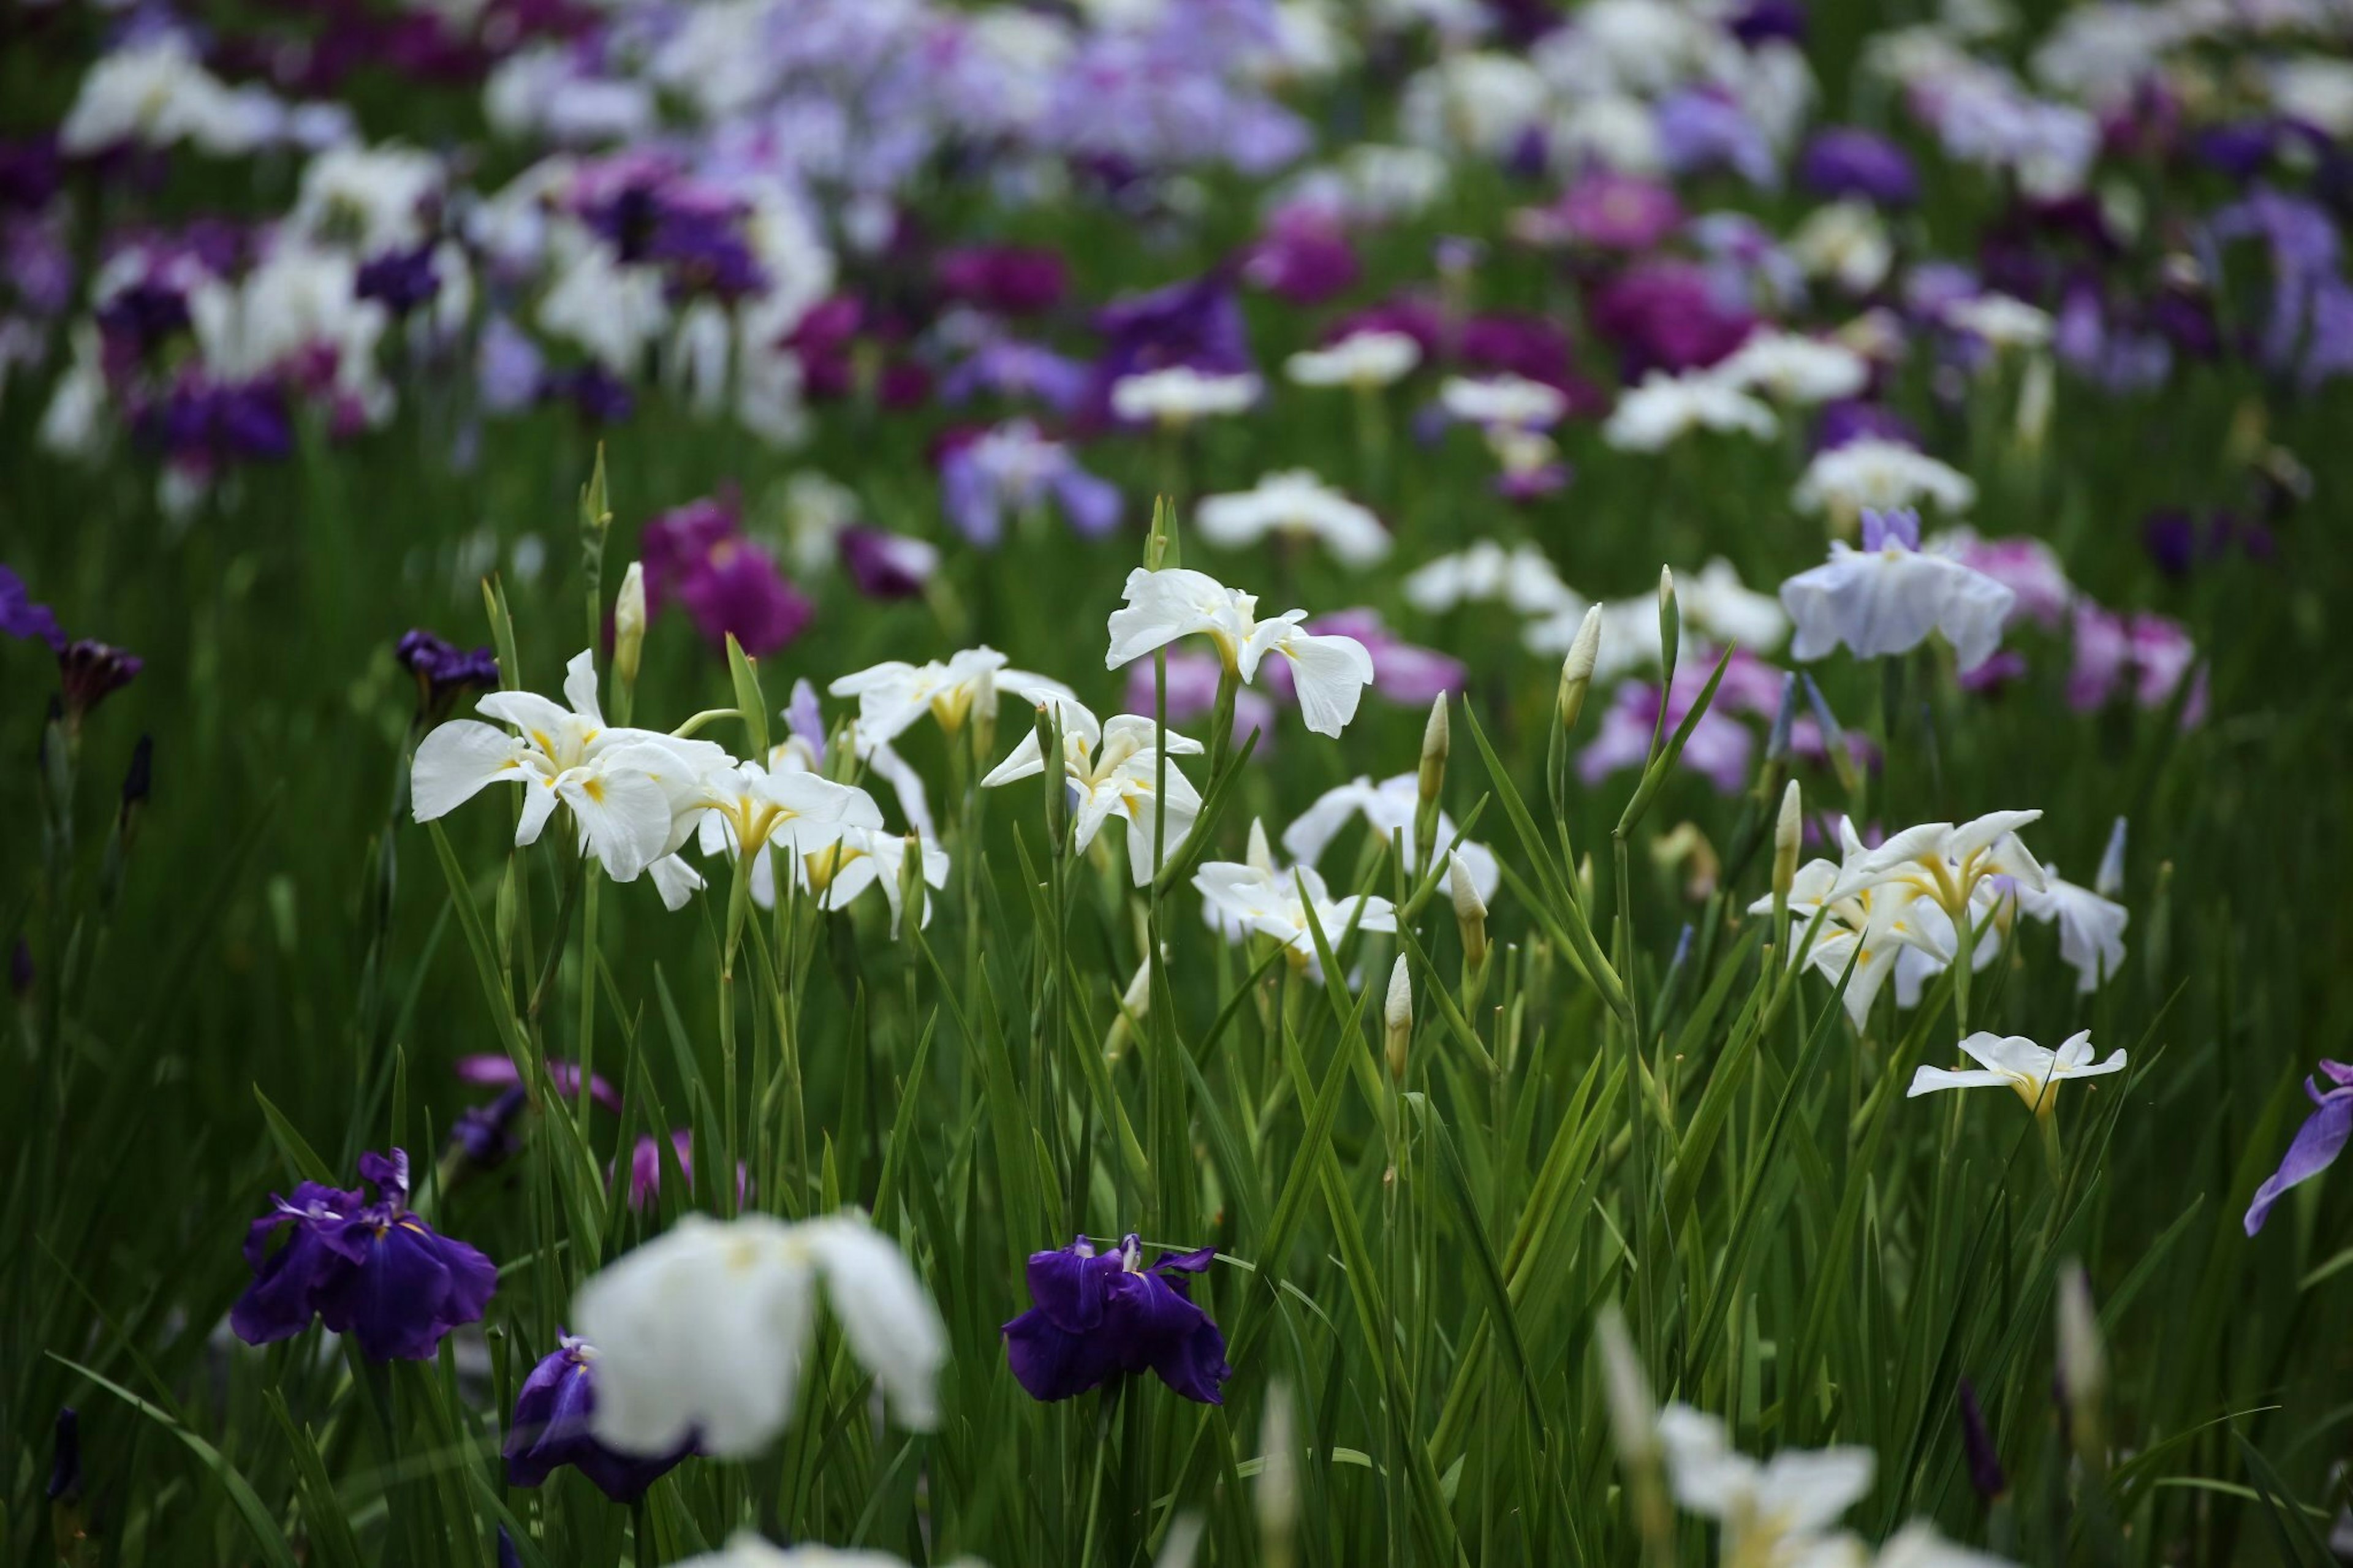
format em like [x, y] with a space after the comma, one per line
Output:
[1328, 673]
[2013, 1061]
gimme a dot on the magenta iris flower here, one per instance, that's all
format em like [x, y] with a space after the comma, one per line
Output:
[2317, 1143]
[1102, 1314]
[373, 1270]
[551, 1429]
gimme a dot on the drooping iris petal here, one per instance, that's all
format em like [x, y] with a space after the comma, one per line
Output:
[2314, 1148]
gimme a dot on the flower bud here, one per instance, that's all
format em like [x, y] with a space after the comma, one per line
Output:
[1789, 835]
[1576, 669]
[1257, 855]
[2111, 880]
[1977, 1441]
[629, 624]
[1397, 1019]
[1671, 625]
[2083, 1358]
[1433, 750]
[1470, 913]
[2035, 391]
[913, 889]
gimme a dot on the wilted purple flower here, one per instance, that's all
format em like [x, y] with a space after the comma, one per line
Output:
[399, 279]
[20, 617]
[1099, 1315]
[1303, 258]
[444, 671]
[1847, 161]
[1009, 280]
[1702, 128]
[1661, 315]
[2315, 1147]
[375, 1271]
[1985, 1465]
[886, 566]
[1014, 467]
[551, 1429]
[91, 671]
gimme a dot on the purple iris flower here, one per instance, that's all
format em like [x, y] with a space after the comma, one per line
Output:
[139, 317]
[20, 617]
[1536, 347]
[373, 1270]
[1702, 128]
[1010, 368]
[1719, 746]
[1193, 694]
[444, 671]
[487, 1132]
[1014, 467]
[400, 280]
[1009, 280]
[1853, 420]
[551, 1429]
[508, 366]
[805, 720]
[2148, 655]
[1765, 21]
[1847, 161]
[1101, 1314]
[886, 566]
[1662, 315]
[654, 215]
[1303, 259]
[1619, 212]
[646, 1168]
[1196, 322]
[600, 396]
[696, 556]
[2315, 1145]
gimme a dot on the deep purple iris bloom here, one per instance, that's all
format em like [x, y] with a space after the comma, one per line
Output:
[400, 280]
[486, 1132]
[91, 671]
[600, 396]
[444, 671]
[1536, 347]
[20, 617]
[2315, 1148]
[1010, 279]
[695, 235]
[1198, 323]
[1101, 1314]
[1662, 315]
[1853, 420]
[373, 1270]
[696, 556]
[1764, 21]
[138, 318]
[551, 1429]
[1847, 161]
[1303, 259]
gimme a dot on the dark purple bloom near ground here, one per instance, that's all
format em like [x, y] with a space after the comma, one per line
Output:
[1102, 1314]
[91, 671]
[550, 1429]
[2317, 1143]
[373, 1270]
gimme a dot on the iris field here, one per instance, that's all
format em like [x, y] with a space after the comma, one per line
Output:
[677, 892]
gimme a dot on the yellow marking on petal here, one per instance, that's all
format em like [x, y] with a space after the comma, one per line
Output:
[594, 788]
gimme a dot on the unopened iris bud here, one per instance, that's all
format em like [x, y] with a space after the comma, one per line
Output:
[1257, 855]
[1057, 804]
[1977, 1441]
[1670, 624]
[1470, 913]
[1132, 1005]
[2111, 880]
[1576, 669]
[629, 624]
[912, 887]
[1789, 835]
[1434, 742]
[1397, 1019]
[2082, 1358]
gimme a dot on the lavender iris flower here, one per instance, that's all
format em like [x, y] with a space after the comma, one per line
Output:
[805, 719]
[1102, 1314]
[373, 1270]
[2315, 1148]
[1702, 128]
[1014, 467]
[1010, 368]
[551, 1429]
[20, 617]
[1846, 161]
